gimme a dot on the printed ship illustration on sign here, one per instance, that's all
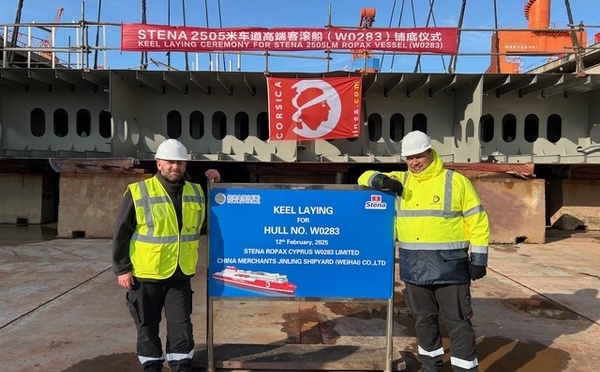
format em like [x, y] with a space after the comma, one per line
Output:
[256, 280]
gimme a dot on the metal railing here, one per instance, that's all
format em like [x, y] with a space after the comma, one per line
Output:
[67, 45]
[71, 50]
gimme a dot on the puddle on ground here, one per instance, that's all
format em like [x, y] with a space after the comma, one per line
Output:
[125, 362]
[291, 327]
[499, 354]
[542, 308]
[366, 311]
[495, 354]
[25, 234]
[508, 248]
[359, 310]
[304, 327]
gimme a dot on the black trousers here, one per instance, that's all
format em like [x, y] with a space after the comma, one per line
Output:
[146, 301]
[453, 302]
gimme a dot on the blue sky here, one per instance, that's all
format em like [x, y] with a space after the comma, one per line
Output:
[305, 13]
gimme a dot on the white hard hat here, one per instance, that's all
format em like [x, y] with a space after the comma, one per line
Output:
[171, 149]
[415, 143]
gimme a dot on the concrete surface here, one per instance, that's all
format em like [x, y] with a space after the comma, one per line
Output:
[25, 196]
[538, 309]
[89, 202]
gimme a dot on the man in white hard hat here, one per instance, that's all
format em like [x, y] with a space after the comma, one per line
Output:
[155, 252]
[439, 217]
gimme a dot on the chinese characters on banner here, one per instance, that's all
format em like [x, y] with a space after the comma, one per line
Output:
[310, 109]
[147, 37]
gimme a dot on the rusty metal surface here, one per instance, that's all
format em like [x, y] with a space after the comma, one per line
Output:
[108, 165]
[538, 309]
[516, 209]
[520, 170]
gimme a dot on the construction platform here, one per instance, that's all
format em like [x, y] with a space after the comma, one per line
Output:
[538, 309]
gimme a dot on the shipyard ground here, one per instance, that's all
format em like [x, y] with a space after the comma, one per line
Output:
[538, 309]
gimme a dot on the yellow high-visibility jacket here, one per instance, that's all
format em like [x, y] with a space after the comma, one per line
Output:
[158, 245]
[438, 217]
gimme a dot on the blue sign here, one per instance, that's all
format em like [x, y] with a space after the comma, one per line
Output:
[274, 240]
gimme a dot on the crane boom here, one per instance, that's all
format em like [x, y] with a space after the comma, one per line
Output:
[47, 42]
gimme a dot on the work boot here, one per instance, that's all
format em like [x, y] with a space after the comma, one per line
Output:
[153, 366]
[184, 365]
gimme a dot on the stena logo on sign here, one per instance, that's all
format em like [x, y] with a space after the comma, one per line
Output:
[375, 203]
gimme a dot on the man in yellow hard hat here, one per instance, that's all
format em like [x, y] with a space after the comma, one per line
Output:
[443, 233]
[155, 252]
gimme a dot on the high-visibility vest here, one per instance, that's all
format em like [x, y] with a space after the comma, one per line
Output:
[438, 218]
[158, 245]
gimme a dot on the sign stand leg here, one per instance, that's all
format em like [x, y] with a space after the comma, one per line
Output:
[210, 355]
[390, 335]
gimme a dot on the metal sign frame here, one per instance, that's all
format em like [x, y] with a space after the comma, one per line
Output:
[262, 237]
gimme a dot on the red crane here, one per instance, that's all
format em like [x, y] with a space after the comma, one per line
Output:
[362, 59]
[47, 42]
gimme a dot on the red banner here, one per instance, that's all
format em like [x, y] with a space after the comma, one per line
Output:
[146, 37]
[310, 109]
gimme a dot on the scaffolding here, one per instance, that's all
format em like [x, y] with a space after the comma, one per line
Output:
[69, 45]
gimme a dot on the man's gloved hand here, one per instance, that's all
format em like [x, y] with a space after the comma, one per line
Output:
[392, 185]
[477, 272]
